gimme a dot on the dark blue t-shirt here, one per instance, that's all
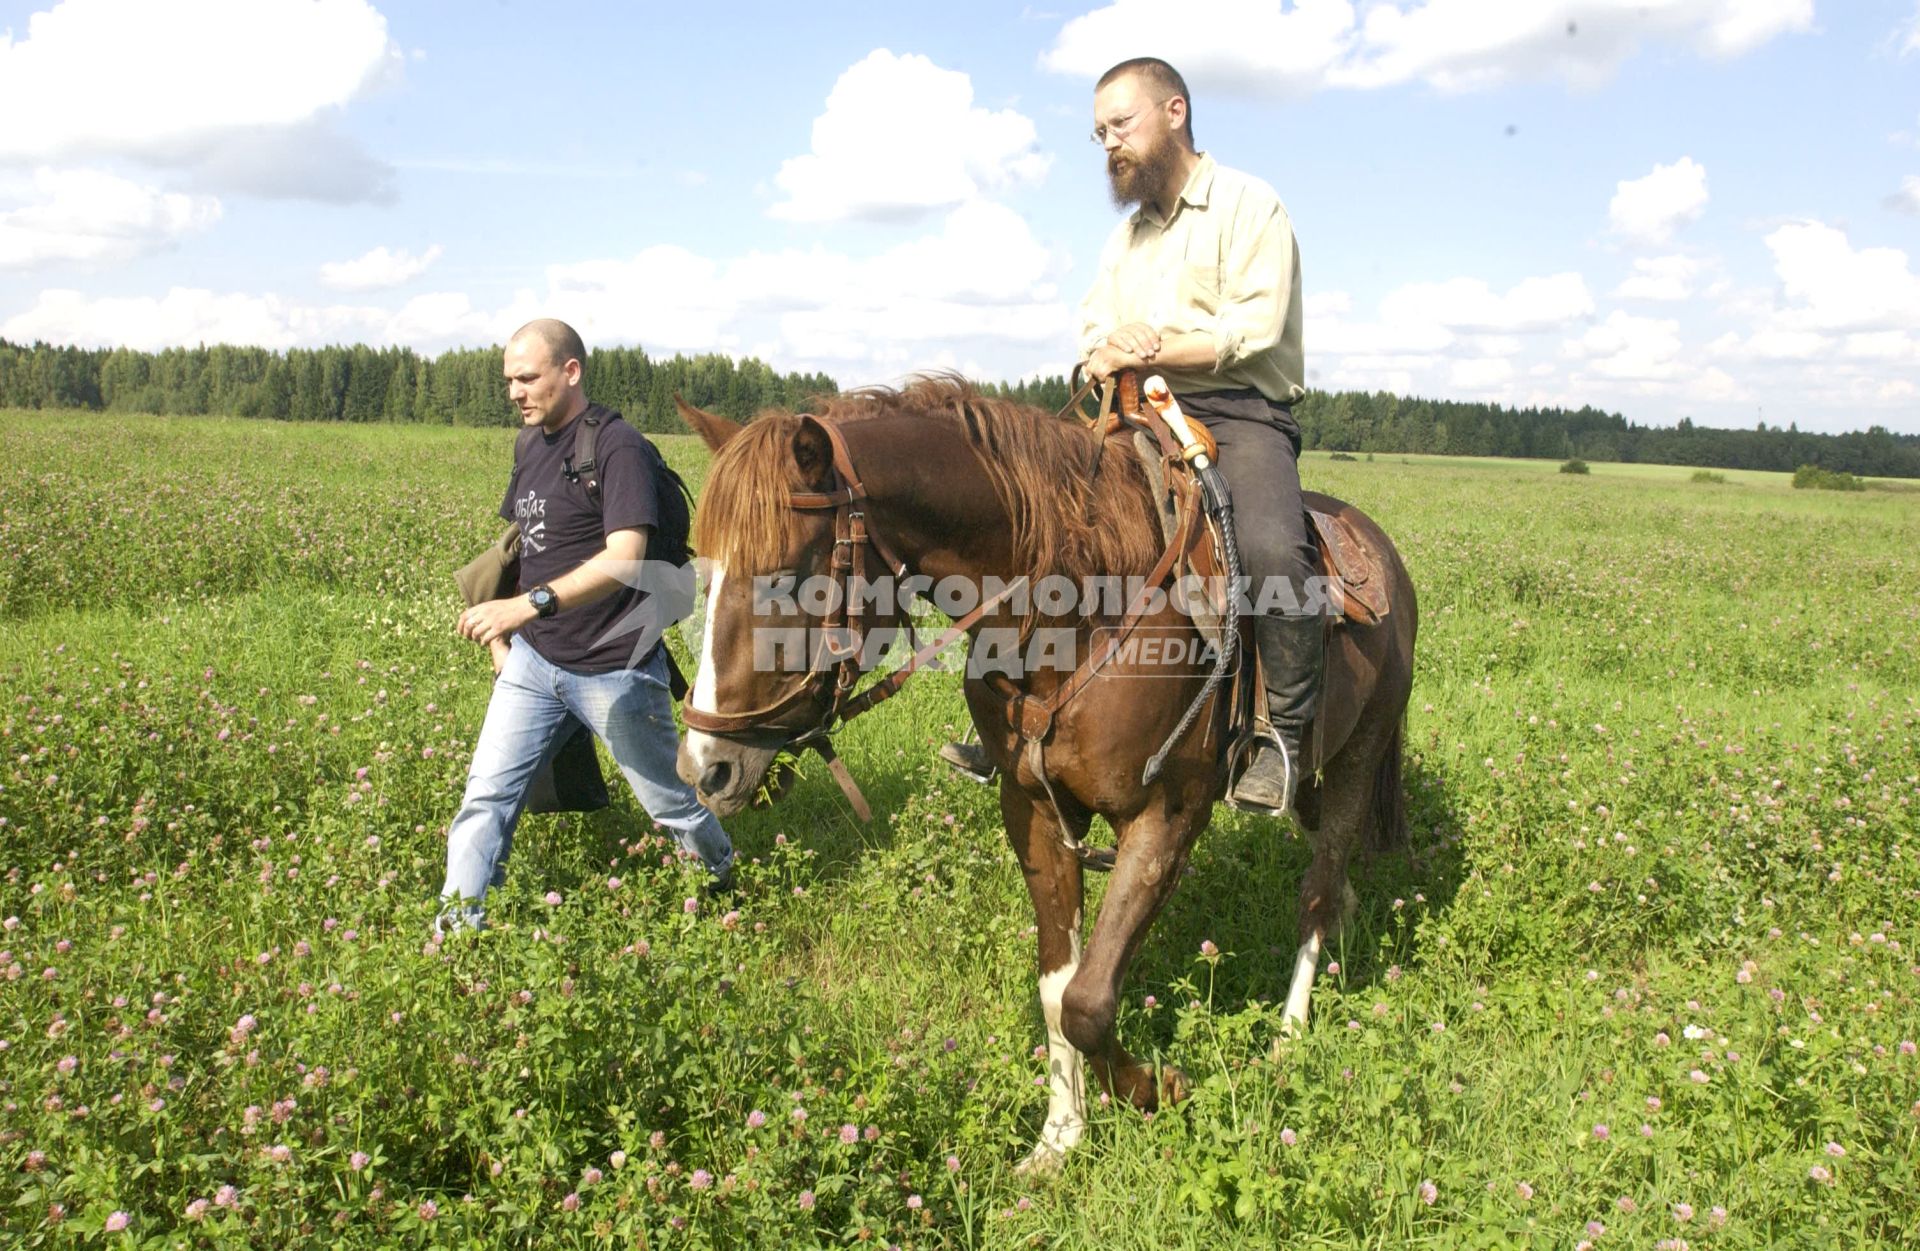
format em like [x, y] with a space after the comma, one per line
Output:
[560, 529]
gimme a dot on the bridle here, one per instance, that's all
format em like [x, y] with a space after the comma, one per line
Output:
[833, 671]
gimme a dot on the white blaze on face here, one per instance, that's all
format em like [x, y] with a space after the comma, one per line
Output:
[705, 696]
[1066, 1068]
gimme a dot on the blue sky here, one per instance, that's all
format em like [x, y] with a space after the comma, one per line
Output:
[1668, 208]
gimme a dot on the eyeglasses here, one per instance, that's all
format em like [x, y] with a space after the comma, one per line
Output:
[1121, 127]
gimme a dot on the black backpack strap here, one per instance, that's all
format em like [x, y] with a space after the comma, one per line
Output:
[586, 464]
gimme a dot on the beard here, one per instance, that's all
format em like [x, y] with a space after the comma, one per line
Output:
[1137, 178]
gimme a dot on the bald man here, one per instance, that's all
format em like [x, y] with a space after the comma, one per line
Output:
[560, 654]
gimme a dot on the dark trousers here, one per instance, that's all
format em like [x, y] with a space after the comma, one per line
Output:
[1259, 457]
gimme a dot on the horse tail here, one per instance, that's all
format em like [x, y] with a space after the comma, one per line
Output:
[1387, 812]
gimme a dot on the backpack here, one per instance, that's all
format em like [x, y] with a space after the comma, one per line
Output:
[670, 541]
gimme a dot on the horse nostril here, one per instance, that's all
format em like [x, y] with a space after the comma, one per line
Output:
[713, 779]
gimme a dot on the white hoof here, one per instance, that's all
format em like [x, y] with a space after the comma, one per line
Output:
[1291, 1031]
[1044, 1162]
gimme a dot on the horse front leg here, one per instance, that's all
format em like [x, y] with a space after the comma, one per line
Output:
[1152, 854]
[1054, 884]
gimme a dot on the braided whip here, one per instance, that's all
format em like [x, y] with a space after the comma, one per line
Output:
[1219, 503]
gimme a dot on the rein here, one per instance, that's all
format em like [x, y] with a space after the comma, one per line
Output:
[834, 671]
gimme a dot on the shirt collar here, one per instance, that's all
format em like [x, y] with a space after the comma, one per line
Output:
[1194, 194]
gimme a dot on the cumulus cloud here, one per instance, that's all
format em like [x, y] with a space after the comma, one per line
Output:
[238, 94]
[1832, 286]
[901, 138]
[1470, 304]
[1632, 348]
[981, 286]
[1270, 47]
[1907, 198]
[377, 269]
[1665, 278]
[1648, 210]
[92, 217]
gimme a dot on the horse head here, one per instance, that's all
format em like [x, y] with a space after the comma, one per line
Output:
[783, 639]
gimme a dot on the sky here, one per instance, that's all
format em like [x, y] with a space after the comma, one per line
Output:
[1704, 209]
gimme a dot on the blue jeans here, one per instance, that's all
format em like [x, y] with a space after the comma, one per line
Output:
[535, 706]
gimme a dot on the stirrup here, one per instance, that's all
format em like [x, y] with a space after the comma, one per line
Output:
[970, 760]
[1290, 783]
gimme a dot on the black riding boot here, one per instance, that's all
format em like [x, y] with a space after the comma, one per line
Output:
[1291, 650]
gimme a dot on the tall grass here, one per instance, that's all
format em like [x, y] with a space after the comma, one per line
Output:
[1647, 976]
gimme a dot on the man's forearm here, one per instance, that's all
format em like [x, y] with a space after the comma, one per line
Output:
[599, 576]
[1189, 350]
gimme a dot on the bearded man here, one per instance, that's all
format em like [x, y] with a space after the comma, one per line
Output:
[1200, 283]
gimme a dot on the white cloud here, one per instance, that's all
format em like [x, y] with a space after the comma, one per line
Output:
[1907, 198]
[1834, 287]
[1534, 304]
[1264, 47]
[377, 269]
[1249, 45]
[1665, 278]
[981, 287]
[92, 217]
[1771, 345]
[901, 138]
[1648, 210]
[1911, 43]
[239, 93]
[183, 316]
[1481, 374]
[1626, 347]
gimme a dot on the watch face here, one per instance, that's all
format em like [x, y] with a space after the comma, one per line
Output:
[543, 600]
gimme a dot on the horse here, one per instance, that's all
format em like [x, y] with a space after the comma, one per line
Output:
[945, 483]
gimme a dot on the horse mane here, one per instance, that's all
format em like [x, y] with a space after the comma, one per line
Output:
[746, 516]
[1062, 519]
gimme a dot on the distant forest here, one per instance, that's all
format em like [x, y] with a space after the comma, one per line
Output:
[464, 388]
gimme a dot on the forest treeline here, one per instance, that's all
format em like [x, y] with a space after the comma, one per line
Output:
[464, 387]
[363, 384]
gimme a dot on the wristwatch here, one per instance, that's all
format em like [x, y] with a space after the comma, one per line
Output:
[544, 601]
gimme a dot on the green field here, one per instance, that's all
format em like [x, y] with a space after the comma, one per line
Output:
[1646, 977]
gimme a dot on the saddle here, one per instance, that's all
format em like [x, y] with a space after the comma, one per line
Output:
[1353, 581]
[1355, 587]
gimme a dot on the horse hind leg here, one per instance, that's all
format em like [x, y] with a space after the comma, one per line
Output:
[1327, 898]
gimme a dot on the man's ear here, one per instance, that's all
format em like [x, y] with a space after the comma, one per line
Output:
[813, 455]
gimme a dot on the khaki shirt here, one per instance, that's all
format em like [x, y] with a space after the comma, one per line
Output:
[1227, 263]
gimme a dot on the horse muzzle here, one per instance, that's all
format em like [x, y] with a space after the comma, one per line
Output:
[723, 772]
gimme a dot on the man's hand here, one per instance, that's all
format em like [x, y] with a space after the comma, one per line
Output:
[1136, 339]
[1107, 361]
[500, 649]
[1133, 346]
[496, 619]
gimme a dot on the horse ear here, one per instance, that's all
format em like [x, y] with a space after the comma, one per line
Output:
[813, 454]
[712, 427]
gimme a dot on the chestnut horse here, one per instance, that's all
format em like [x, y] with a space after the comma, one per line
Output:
[945, 484]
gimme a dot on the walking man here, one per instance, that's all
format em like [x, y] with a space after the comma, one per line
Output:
[561, 655]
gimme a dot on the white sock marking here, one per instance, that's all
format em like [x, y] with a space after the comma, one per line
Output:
[1306, 964]
[1066, 1068]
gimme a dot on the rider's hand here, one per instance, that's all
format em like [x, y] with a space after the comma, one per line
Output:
[1107, 361]
[1136, 339]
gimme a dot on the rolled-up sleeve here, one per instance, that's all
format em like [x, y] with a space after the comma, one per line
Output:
[1256, 283]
